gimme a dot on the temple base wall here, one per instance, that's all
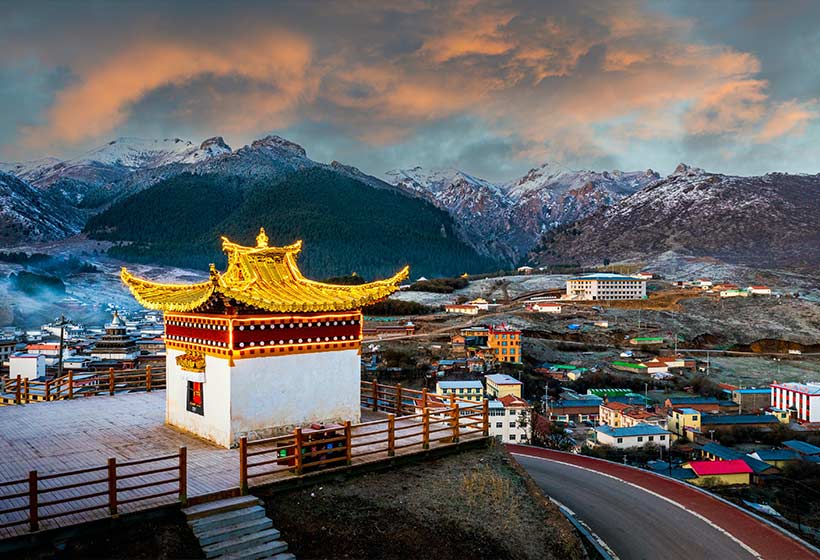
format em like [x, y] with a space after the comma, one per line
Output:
[264, 396]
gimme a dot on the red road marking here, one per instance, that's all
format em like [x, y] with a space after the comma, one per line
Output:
[765, 540]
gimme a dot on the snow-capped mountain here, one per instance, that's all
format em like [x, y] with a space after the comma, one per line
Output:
[27, 214]
[513, 215]
[770, 220]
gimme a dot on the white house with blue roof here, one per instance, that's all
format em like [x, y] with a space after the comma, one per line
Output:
[605, 286]
[633, 436]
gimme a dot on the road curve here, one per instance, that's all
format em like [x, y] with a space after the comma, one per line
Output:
[636, 523]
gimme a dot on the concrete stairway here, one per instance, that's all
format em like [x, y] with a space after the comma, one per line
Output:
[236, 529]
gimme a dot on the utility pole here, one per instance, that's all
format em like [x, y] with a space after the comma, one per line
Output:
[646, 396]
[61, 322]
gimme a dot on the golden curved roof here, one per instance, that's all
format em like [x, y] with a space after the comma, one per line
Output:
[265, 278]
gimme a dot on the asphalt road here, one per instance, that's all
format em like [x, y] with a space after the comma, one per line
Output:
[635, 524]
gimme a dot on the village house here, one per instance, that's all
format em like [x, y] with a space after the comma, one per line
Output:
[720, 473]
[503, 342]
[690, 423]
[605, 286]
[27, 366]
[645, 276]
[511, 419]
[701, 404]
[546, 307]
[733, 293]
[806, 450]
[778, 458]
[461, 308]
[802, 400]
[759, 290]
[575, 410]
[632, 436]
[713, 451]
[703, 283]
[500, 385]
[525, 269]
[752, 400]
[631, 367]
[618, 415]
[470, 390]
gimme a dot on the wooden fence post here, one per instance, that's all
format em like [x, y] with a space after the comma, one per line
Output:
[33, 518]
[70, 384]
[48, 390]
[424, 398]
[17, 391]
[148, 378]
[454, 414]
[25, 390]
[485, 417]
[425, 429]
[297, 438]
[112, 485]
[183, 475]
[375, 395]
[398, 399]
[243, 465]
[391, 435]
[348, 442]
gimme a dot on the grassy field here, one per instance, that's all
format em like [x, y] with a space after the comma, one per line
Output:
[753, 371]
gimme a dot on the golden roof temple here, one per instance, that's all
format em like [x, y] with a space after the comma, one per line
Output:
[261, 278]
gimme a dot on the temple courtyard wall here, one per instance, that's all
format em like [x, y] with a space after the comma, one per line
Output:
[265, 396]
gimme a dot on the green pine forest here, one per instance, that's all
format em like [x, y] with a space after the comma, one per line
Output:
[346, 225]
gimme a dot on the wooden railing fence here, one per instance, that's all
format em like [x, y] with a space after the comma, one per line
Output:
[83, 384]
[52, 496]
[414, 419]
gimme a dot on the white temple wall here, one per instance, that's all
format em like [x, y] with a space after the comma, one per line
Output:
[271, 395]
[215, 423]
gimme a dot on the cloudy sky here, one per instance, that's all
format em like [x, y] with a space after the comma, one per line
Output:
[492, 88]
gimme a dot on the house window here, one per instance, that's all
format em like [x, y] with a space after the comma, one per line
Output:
[620, 440]
[499, 424]
[512, 424]
[640, 438]
[195, 403]
[512, 437]
[651, 438]
[663, 438]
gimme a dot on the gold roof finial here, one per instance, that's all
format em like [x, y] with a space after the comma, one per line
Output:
[261, 239]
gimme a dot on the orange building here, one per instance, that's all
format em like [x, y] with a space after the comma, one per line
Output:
[503, 342]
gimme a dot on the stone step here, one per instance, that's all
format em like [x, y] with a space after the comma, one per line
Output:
[281, 556]
[231, 531]
[240, 544]
[229, 504]
[226, 519]
[275, 549]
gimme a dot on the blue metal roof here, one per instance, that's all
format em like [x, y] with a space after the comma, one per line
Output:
[689, 411]
[711, 419]
[765, 391]
[638, 430]
[577, 402]
[728, 454]
[607, 276]
[460, 385]
[676, 401]
[802, 447]
[777, 454]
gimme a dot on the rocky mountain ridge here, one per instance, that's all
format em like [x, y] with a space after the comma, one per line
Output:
[510, 217]
[764, 221]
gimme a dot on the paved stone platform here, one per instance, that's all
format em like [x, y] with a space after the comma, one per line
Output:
[80, 433]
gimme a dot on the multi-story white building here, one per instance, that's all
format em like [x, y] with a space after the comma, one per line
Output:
[511, 419]
[802, 400]
[606, 287]
[470, 390]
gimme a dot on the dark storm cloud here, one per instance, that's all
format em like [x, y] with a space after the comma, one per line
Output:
[489, 87]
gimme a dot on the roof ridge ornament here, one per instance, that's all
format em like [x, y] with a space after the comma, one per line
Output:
[262, 238]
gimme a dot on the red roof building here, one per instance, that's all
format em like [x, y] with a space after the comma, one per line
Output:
[712, 468]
